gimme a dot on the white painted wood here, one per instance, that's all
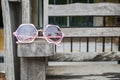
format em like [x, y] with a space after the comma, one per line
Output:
[99, 45]
[115, 44]
[78, 9]
[91, 32]
[108, 44]
[76, 45]
[61, 47]
[67, 45]
[83, 45]
[91, 45]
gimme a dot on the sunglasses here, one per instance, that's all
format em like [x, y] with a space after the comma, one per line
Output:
[27, 33]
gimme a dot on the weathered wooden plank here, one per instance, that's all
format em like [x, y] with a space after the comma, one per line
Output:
[78, 9]
[35, 49]
[76, 45]
[108, 44]
[67, 45]
[91, 32]
[83, 44]
[86, 56]
[46, 12]
[91, 45]
[26, 11]
[85, 71]
[33, 69]
[115, 44]
[15, 16]
[14, 0]
[8, 49]
[99, 44]
[83, 68]
[60, 48]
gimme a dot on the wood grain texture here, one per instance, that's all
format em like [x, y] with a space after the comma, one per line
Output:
[108, 44]
[39, 48]
[99, 44]
[46, 12]
[91, 32]
[26, 11]
[33, 69]
[78, 9]
[76, 46]
[67, 45]
[91, 45]
[86, 56]
[83, 44]
[84, 71]
[8, 49]
[115, 44]
[15, 0]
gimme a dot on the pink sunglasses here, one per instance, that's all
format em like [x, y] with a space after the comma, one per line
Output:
[27, 33]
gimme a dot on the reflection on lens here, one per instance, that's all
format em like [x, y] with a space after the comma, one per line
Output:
[55, 39]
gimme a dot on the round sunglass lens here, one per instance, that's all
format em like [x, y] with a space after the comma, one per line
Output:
[53, 33]
[25, 33]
